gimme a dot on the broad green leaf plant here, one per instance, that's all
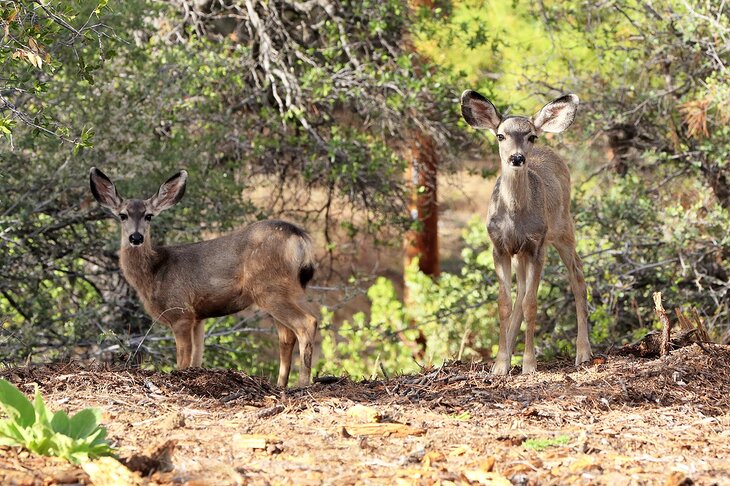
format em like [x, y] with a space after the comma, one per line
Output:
[32, 426]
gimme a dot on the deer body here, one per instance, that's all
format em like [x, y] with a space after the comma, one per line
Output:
[529, 209]
[267, 263]
[237, 266]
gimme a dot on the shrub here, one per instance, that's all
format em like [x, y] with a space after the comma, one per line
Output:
[457, 317]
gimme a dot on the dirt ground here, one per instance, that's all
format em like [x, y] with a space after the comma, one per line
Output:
[622, 420]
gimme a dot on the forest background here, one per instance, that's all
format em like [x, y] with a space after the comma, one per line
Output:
[310, 111]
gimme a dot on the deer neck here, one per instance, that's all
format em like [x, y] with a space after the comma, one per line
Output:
[514, 189]
[139, 264]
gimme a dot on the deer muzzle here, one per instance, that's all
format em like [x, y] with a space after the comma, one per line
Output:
[136, 238]
[517, 160]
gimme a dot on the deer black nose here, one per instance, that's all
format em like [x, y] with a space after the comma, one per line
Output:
[517, 160]
[136, 238]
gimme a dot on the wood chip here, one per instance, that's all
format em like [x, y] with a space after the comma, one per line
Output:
[173, 420]
[107, 471]
[255, 441]
[485, 477]
[364, 413]
[384, 429]
[431, 457]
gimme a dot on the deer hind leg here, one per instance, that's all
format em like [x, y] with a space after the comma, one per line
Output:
[198, 339]
[290, 313]
[287, 339]
[566, 250]
[533, 272]
[503, 268]
[183, 331]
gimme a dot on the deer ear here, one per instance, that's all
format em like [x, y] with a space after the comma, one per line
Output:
[104, 190]
[479, 112]
[170, 192]
[557, 115]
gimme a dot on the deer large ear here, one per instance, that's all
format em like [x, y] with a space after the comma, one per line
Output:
[104, 190]
[557, 115]
[479, 112]
[170, 192]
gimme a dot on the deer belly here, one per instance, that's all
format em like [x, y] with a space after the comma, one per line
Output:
[220, 305]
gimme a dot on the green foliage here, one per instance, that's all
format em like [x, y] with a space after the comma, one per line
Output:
[359, 346]
[678, 243]
[539, 445]
[461, 416]
[244, 345]
[31, 425]
[45, 45]
[456, 316]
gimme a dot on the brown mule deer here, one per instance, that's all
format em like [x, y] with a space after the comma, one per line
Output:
[529, 209]
[267, 263]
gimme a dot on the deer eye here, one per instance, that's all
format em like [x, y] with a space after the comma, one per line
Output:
[532, 138]
[148, 217]
[123, 216]
[500, 137]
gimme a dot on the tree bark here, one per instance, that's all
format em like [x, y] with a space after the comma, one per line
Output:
[422, 175]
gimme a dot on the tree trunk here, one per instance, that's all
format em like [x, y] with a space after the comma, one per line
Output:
[422, 242]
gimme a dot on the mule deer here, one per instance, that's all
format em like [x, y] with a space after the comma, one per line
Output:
[529, 209]
[267, 263]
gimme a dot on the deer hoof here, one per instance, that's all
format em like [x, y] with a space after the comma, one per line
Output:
[583, 355]
[501, 368]
[529, 366]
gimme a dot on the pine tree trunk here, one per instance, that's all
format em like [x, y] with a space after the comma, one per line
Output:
[422, 175]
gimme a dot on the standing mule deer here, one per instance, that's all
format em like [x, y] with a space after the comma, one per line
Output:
[267, 263]
[529, 209]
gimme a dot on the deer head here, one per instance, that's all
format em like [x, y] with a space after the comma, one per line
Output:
[517, 134]
[135, 215]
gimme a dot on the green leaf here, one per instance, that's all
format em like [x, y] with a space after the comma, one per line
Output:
[97, 438]
[9, 434]
[60, 422]
[42, 415]
[7, 441]
[101, 6]
[83, 423]
[16, 405]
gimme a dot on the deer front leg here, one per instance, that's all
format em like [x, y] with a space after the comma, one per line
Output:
[566, 250]
[287, 339]
[516, 318]
[503, 268]
[183, 331]
[533, 272]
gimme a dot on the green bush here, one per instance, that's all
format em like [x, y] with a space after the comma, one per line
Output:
[457, 316]
[33, 426]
